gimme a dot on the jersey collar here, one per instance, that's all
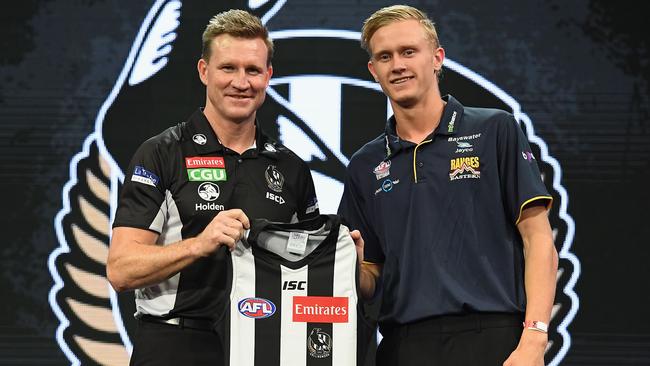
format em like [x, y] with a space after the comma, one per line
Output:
[452, 116]
[206, 140]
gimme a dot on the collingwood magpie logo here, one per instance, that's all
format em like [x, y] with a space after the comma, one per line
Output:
[319, 343]
[313, 106]
[274, 179]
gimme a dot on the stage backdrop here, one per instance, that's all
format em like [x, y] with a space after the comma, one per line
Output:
[85, 83]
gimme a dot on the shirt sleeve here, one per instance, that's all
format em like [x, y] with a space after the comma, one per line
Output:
[352, 209]
[519, 173]
[141, 203]
[308, 205]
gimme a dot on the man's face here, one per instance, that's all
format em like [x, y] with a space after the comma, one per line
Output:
[235, 77]
[403, 62]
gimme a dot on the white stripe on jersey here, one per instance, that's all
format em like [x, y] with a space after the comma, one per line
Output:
[242, 329]
[159, 299]
[292, 342]
[344, 337]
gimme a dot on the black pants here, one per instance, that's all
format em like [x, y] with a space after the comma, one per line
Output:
[455, 340]
[163, 344]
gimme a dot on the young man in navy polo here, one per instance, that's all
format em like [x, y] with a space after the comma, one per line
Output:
[450, 215]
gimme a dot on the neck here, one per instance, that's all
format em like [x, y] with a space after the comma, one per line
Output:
[415, 123]
[238, 136]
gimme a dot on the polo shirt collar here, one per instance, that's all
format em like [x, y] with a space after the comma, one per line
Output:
[199, 128]
[452, 115]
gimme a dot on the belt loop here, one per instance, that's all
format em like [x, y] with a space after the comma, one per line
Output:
[181, 322]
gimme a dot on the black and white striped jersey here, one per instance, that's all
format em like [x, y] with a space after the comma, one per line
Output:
[294, 298]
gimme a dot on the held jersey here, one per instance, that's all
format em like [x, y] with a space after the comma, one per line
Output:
[294, 297]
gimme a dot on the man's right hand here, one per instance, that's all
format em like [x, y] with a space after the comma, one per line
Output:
[225, 229]
[135, 261]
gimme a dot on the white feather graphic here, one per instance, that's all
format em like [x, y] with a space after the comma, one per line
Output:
[158, 44]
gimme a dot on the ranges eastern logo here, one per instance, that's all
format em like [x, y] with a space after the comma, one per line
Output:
[320, 105]
[466, 167]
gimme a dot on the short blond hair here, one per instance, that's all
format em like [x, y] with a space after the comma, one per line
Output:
[395, 13]
[236, 23]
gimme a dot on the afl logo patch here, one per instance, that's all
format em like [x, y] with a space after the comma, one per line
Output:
[255, 307]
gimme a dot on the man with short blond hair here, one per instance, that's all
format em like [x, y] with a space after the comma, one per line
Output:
[450, 215]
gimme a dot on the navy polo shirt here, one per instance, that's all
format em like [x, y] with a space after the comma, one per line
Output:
[441, 215]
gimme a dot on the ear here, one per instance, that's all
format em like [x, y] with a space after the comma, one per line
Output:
[269, 73]
[438, 58]
[202, 68]
[371, 68]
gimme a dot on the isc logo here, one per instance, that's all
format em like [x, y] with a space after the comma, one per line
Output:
[255, 307]
[275, 197]
[294, 285]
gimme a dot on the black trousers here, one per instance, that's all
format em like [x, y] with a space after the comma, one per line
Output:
[455, 340]
[166, 345]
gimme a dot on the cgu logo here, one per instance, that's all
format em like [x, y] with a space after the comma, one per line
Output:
[206, 174]
[294, 285]
[255, 307]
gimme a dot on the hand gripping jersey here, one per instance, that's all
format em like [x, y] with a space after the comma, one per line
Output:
[294, 297]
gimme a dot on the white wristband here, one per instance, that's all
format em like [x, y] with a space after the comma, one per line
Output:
[536, 325]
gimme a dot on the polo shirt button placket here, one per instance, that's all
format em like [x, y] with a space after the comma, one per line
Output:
[421, 176]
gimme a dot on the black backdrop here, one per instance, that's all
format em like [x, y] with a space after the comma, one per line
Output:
[579, 70]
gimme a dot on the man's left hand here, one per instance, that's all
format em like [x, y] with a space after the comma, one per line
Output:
[530, 351]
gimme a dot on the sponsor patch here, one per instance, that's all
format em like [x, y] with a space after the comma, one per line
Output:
[450, 125]
[294, 285]
[386, 186]
[312, 205]
[256, 307]
[208, 207]
[142, 175]
[467, 167]
[269, 147]
[382, 170]
[463, 147]
[320, 309]
[464, 138]
[208, 191]
[204, 162]
[200, 139]
[274, 179]
[319, 343]
[528, 156]
[206, 175]
[275, 197]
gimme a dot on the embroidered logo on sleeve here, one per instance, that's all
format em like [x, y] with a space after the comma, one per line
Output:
[142, 175]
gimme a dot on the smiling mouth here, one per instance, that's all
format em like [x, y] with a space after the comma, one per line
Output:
[240, 97]
[401, 80]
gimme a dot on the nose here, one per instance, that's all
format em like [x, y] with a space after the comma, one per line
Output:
[398, 64]
[240, 80]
